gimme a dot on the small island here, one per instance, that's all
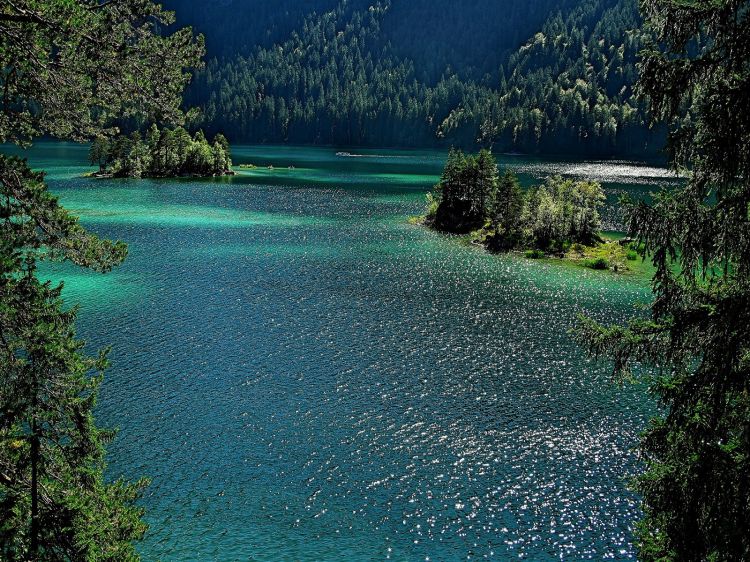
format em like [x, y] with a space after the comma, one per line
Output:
[164, 153]
[559, 218]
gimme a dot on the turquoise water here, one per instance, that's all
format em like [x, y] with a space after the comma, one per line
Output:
[306, 376]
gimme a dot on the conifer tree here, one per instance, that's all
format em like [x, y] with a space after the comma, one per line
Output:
[155, 149]
[69, 68]
[694, 349]
[99, 152]
[505, 213]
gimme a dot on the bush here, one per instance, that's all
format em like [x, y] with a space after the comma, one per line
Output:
[534, 254]
[432, 206]
[632, 255]
[597, 263]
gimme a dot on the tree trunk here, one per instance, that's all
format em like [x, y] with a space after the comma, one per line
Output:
[34, 547]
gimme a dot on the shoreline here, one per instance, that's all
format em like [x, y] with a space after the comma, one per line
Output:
[617, 255]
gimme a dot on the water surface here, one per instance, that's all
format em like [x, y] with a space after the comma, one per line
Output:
[306, 376]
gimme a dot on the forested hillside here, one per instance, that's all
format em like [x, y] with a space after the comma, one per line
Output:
[572, 85]
[543, 76]
[239, 27]
[473, 38]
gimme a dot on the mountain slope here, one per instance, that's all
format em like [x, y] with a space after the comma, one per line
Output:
[470, 37]
[234, 27]
[572, 83]
[408, 74]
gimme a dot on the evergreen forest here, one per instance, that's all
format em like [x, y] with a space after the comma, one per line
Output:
[555, 77]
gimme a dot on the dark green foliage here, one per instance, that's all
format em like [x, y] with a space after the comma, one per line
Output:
[99, 152]
[54, 501]
[167, 153]
[471, 37]
[466, 188]
[472, 195]
[379, 75]
[68, 68]
[695, 348]
[534, 254]
[331, 82]
[597, 263]
[235, 27]
[41, 229]
[506, 214]
[571, 85]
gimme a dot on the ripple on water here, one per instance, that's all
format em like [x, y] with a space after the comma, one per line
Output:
[346, 386]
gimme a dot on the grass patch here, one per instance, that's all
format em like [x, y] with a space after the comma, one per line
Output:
[534, 254]
[611, 254]
[596, 263]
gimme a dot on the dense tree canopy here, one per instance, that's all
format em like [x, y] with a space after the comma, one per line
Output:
[380, 74]
[466, 188]
[695, 348]
[68, 68]
[472, 38]
[472, 195]
[563, 211]
[572, 84]
[163, 153]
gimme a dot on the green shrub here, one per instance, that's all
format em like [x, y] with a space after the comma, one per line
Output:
[597, 263]
[534, 254]
[433, 203]
[632, 255]
[563, 210]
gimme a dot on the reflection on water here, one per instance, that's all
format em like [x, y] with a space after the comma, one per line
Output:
[305, 376]
[605, 172]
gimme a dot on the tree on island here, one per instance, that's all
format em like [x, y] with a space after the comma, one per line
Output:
[506, 214]
[70, 67]
[471, 196]
[562, 212]
[694, 349]
[99, 153]
[466, 187]
[167, 153]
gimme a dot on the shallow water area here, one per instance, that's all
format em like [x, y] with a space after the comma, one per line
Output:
[306, 376]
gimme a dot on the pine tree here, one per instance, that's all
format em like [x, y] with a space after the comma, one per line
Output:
[505, 214]
[466, 187]
[486, 181]
[69, 67]
[694, 350]
[137, 160]
[55, 503]
[155, 149]
[99, 153]
[224, 143]
[182, 146]
[171, 156]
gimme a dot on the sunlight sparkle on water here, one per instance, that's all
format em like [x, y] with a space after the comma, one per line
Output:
[303, 374]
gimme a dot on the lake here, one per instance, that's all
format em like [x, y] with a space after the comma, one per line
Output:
[304, 375]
